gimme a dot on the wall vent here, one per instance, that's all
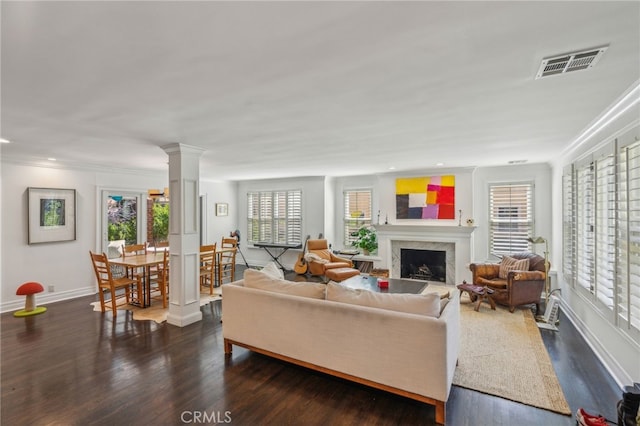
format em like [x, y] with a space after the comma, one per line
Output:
[576, 61]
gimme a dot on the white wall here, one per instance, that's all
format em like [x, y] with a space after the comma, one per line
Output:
[220, 192]
[618, 352]
[330, 207]
[384, 198]
[65, 265]
[342, 184]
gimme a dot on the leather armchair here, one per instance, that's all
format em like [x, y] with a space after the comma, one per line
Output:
[519, 288]
[320, 258]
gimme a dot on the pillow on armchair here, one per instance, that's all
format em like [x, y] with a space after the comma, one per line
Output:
[509, 264]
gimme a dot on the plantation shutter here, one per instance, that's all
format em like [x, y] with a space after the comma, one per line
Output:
[568, 225]
[510, 217]
[294, 217]
[357, 212]
[274, 217]
[605, 228]
[253, 216]
[628, 242]
[585, 226]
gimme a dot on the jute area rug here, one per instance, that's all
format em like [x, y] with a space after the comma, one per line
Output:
[503, 354]
[156, 312]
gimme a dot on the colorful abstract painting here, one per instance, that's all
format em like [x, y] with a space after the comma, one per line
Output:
[430, 197]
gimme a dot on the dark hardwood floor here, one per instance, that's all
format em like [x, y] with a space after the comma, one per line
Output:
[73, 366]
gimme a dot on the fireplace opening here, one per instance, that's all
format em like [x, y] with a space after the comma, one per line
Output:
[427, 265]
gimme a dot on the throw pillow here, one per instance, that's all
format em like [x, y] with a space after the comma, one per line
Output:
[509, 264]
[273, 271]
[261, 281]
[427, 304]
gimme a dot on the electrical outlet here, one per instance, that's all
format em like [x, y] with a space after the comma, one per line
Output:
[51, 289]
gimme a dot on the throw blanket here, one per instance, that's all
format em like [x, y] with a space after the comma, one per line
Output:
[314, 257]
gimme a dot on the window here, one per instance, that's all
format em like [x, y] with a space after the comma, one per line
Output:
[510, 217]
[628, 239]
[568, 230]
[605, 231]
[585, 225]
[601, 232]
[357, 212]
[274, 217]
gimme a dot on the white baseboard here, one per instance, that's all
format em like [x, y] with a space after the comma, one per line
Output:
[45, 298]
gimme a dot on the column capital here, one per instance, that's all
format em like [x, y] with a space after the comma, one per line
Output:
[177, 147]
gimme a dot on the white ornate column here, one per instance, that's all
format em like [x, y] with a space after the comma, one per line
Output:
[184, 234]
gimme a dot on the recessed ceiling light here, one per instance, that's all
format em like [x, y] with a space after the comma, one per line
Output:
[392, 167]
[3, 140]
[51, 159]
[440, 164]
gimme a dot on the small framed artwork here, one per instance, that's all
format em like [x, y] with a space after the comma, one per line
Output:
[222, 209]
[52, 215]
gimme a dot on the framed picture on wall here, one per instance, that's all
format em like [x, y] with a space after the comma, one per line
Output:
[222, 209]
[52, 215]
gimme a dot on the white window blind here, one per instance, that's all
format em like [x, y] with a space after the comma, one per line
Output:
[274, 217]
[585, 226]
[628, 238]
[605, 229]
[510, 217]
[568, 230]
[605, 206]
[357, 212]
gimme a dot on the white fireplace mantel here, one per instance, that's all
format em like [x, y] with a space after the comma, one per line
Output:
[431, 231]
[459, 236]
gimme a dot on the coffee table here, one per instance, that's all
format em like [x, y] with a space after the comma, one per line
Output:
[396, 285]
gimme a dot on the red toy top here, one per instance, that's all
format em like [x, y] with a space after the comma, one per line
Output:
[29, 288]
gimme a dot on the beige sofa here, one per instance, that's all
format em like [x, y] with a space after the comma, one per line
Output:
[404, 353]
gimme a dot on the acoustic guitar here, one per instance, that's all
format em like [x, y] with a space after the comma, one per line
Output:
[301, 265]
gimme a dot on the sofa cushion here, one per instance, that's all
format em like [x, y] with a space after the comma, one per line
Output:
[262, 281]
[493, 283]
[509, 264]
[443, 291]
[336, 265]
[427, 304]
[443, 304]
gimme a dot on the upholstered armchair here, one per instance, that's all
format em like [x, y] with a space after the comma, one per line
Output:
[320, 258]
[513, 284]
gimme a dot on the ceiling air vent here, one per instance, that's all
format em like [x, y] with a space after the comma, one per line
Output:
[569, 62]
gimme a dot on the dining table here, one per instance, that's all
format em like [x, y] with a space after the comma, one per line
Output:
[144, 262]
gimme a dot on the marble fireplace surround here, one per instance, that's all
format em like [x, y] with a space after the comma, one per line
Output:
[454, 240]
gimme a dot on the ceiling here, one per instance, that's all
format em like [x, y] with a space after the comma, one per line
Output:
[282, 89]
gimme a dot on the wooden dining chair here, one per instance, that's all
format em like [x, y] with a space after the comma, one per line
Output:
[208, 266]
[227, 260]
[106, 282]
[159, 280]
[132, 250]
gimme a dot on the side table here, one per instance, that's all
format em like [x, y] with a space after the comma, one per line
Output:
[479, 292]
